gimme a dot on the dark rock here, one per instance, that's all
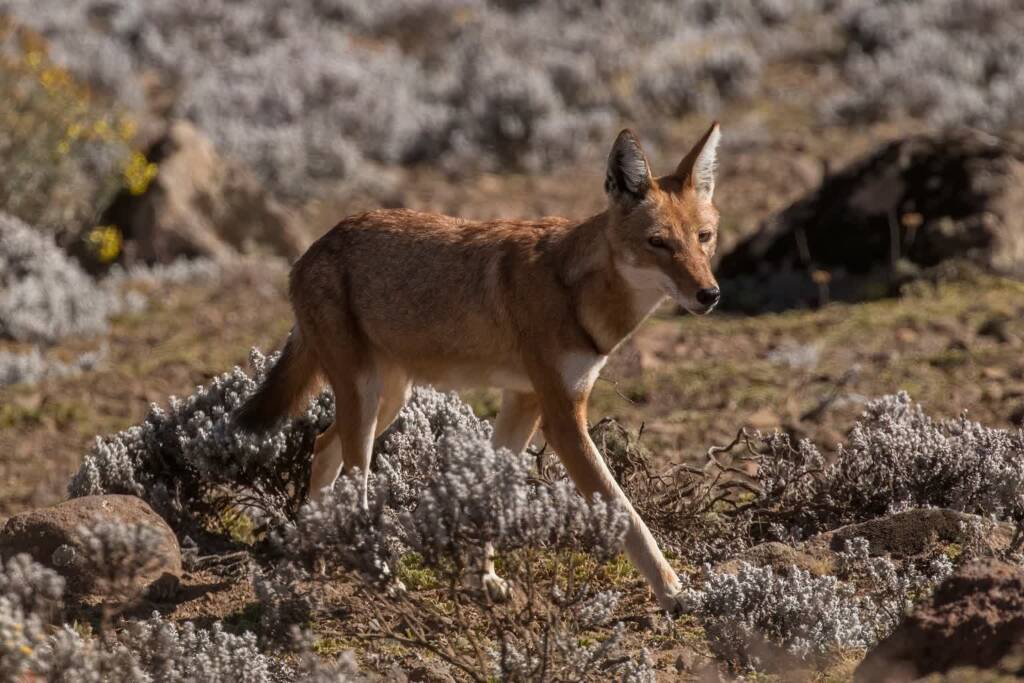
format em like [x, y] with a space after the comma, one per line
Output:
[913, 203]
[974, 619]
[51, 536]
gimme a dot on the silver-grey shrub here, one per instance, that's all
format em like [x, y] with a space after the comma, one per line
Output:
[481, 495]
[462, 494]
[191, 463]
[33, 366]
[325, 89]
[804, 614]
[158, 650]
[44, 295]
[119, 555]
[896, 458]
[31, 586]
[34, 645]
[893, 587]
[441, 489]
[809, 615]
[946, 61]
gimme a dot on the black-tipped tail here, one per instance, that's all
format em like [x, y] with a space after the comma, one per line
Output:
[287, 383]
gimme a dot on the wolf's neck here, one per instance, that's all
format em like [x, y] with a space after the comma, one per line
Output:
[611, 299]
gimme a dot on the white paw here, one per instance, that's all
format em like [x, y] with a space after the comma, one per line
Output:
[676, 603]
[496, 588]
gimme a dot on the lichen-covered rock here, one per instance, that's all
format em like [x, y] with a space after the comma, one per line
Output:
[65, 538]
[919, 531]
[912, 203]
[975, 618]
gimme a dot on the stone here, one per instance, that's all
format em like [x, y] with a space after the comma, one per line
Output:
[916, 532]
[782, 558]
[51, 537]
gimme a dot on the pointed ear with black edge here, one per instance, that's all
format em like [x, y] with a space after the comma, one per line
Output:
[697, 169]
[629, 175]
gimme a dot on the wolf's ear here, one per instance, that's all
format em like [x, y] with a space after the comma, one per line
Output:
[629, 174]
[698, 166]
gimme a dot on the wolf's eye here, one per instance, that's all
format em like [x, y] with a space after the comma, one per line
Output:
[657, 242]
[705, 236]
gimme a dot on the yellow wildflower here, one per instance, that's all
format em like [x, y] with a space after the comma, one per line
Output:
[106, 241]
[139, 173]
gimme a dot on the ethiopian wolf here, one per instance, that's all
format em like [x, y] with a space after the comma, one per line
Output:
[391, 298]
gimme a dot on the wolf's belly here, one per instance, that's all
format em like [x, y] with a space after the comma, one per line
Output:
[472, 376]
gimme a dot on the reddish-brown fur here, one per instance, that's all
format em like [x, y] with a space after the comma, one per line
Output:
[391, 298]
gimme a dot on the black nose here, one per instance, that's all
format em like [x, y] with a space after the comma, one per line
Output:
[708, 296]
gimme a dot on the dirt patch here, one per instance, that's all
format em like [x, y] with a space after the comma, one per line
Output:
[974, 619]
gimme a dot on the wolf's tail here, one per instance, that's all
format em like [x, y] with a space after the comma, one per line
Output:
[288, 382]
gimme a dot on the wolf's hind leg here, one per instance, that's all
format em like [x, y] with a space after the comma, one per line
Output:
[513, 429]
[395, 389]
[356, 402]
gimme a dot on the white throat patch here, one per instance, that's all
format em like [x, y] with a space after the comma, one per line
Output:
[580, 370]
[649, 286]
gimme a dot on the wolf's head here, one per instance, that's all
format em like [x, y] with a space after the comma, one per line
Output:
[663, 231]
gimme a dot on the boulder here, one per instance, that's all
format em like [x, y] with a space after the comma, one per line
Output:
[920, 531]
[201, 204]
[913, 203]
[974, 619]
[52, 537]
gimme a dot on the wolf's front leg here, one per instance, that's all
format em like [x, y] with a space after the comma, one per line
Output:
[565, 427]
